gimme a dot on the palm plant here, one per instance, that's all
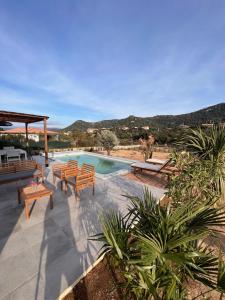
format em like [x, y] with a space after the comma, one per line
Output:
[114, 237]
[207, 161]
[207, 144]
[160, 248]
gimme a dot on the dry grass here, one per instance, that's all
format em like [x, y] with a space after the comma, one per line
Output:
[135, 154]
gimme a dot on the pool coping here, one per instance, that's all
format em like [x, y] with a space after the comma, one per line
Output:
[54, 156]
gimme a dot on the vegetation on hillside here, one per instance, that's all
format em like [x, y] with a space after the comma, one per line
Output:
[212, 114]
[166, 129]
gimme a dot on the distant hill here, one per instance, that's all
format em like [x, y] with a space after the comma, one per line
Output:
[54, 129]
[211, 114]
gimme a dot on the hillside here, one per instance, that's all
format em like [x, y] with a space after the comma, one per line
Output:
[211, 114]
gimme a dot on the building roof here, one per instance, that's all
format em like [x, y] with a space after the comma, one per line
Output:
[19, 130]
[20, 117]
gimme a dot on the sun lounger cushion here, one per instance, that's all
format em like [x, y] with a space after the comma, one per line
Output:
[57, 173]
[147, 166]
[156, 161]
[71, 180]
[18, 175]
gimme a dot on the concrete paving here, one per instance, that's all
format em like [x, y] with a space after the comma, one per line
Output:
[41, 257]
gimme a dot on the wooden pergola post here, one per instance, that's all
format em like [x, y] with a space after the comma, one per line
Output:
[26, 130]
[46, 142]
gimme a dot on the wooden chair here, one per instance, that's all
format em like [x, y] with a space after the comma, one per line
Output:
[84, 179]
[58, 170]
[87, 169]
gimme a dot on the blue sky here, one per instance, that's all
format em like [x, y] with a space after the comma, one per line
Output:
[105, 59]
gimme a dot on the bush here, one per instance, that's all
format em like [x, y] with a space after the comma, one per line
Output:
[203, 168]
[32, 145]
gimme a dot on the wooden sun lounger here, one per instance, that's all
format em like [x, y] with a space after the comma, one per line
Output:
[158, 168]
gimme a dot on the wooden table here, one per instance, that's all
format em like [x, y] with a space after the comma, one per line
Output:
[32, 193]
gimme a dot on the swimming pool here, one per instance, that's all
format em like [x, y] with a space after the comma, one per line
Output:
[102, 164]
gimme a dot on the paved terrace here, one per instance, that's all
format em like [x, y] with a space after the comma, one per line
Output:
[41, 257]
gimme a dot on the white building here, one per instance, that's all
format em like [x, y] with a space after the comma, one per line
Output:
[33, 133]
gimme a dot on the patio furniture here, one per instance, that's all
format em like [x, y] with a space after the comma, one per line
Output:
[58, 170]
[158, 168]
[32, 193]
[10, 154]
[83, 179]
[86, 168]
[9, 116]
[156, 161]
[19, 170]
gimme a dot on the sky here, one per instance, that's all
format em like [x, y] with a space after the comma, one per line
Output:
[104, 59]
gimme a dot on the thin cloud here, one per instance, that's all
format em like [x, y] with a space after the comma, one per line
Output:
[146, 71]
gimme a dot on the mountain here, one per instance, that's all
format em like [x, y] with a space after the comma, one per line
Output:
[211, 114]
[54, 129]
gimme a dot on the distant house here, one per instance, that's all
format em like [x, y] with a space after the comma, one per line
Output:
[207, 125]
[67, 132]
[124, 128]
[145, 127]
[33, 133]
[212, 124]
[183, 126]
[104, 128]
[92, 130]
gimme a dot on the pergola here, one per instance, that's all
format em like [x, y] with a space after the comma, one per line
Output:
[27, 119]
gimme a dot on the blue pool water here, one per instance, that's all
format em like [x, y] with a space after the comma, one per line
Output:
[102, 165]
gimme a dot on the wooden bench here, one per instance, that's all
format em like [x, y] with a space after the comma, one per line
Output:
[19, 170]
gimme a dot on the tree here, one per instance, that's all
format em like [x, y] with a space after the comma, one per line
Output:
[108, 140]
[147, 146]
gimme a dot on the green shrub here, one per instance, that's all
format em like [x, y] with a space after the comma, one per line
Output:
[158, 249]
[32, 145]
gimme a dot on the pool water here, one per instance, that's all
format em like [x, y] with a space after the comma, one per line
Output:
[102, 165]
